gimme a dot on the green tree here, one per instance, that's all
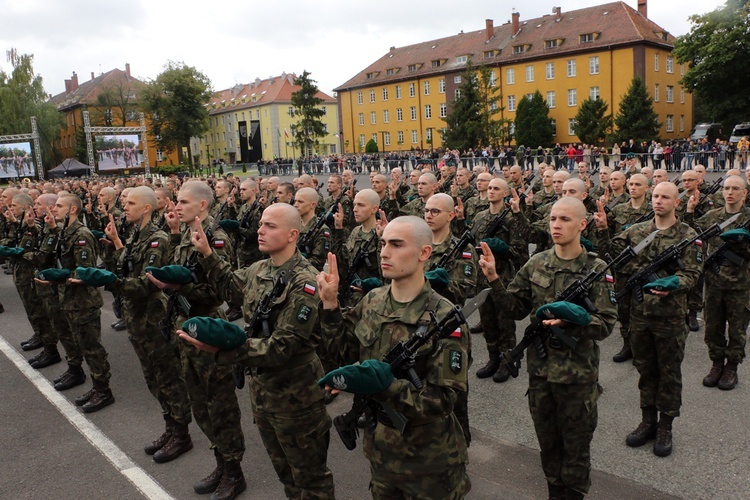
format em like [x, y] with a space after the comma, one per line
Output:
[371, 146]
[636, 118]
[533, 126]
[715, 51]
[309, 128]
[22, 96]
[175, 102]
[113, 105]
[464, 123]
[592, 123]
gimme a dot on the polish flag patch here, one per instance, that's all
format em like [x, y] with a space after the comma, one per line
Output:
[456, 334]
[327, 234]
[699, 243]
[154, 244]
[308, 288]
[219, 244]
[466, 255]
[609, 278]
[82, 243]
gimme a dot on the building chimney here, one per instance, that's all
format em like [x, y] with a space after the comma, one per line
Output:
[516, 22]
[490, 28]
[643, 8]
[92, 75]
[74, 82]
[558, 13]
[127, 70]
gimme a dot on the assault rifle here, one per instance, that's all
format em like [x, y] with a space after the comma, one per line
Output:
[673, 253]
[259, 326]
[402, 357]
[127, 267]
[59, 244]
[362, 257]
[305, 244]
[577, 292]
[723, 256]
[246, 220]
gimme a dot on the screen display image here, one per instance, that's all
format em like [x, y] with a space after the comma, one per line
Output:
[116, 152]
[16, 160]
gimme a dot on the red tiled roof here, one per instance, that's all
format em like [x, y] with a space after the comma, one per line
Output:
[616, 24]
[87, 92]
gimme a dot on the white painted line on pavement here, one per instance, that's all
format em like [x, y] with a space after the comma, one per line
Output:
[136, 475]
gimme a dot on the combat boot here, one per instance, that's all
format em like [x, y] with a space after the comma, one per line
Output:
[232, 482]
[155, 446]
[692, 321]
[178, 444]
[2, 308]
[501, 375]
[49, 356]
[663, 444]
[119, 325]
[645, 431]
[33, 343]
[712, 379]
[571, 494]
[556, 492]
[729, 377]
[71, 378]
[625, 353]
[491, 367]
[100, 398]
[209, 483]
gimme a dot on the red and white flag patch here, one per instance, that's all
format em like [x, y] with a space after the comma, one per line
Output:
[466, 255]
[308, 288]
[82, 243]
[609, 278]
[219, 244]
[456, 334]
[699, 243]
[327, 234]
[154, 244]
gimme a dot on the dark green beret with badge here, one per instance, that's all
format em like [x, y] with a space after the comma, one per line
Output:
[10, 251]
[438, 277]
[368, 284]
[92, 276]
[215, 332]
[369, 377]
[663, 284]
[740, 235]
[498, 246]
[172, 274]
[587, 244]
[568, 311]
[229, 224]
[54, 275]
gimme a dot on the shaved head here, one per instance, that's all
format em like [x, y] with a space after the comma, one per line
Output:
[442, 201]
[667, 188]
[200, 190]
[571, 206]
[368, 196]
[285, 215]
[145, 194]
[307, 194]
[417, 228]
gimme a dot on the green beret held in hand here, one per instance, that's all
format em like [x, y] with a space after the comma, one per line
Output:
[92, 276]
[215, 332]
[740, 235]
[368, 284]
[498, 246]
[369, 377]
[568, 311]
[172, 274]
[663, 284]
[54, 275]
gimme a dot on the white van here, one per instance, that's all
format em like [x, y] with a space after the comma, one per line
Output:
[739, 131]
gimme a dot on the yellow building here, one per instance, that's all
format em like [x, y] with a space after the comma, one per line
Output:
[401, 99]
[111, 100]
[258, 116]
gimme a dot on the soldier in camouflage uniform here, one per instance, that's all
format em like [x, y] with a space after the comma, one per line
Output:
[144, 305]
[81, 306]
[430, 460]
[657, 324]
[287, 402]
[426, 187]
[727, 293]
[335, 185]
[563, 388]
[223, 207]
[210, 386]
[249, 219]
[545, 195]
[461, 188]
[305, 202]
[477, 203]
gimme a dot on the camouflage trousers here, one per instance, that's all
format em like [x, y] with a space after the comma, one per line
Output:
[86, 326]
[695, 296]
[499, 328]
[451, 484]
[210, 388]
[297, 444]
[160, 365]
[623, 306]
[40, 322]
[658, 350]
[565, 418]
[59, 327]
[727, 316]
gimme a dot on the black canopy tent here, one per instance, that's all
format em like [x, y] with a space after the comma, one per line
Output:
[70, 167]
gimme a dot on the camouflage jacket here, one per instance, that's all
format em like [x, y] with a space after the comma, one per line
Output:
[519, 253]
[369, 330]
[538, 283]
[473, 207]
[703, 207]
[467, 193]
[730, 277]
[673, 305]
[246, 243]
[414, 207]
[203, 294]
[624, 215]
[228, 212]
[346, 251]
[287, 369]
[347, 205]
[462, 271]
[78, 249]
[23, 268]
[321, 244]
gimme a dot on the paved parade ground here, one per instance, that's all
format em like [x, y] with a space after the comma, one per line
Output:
[52, 450]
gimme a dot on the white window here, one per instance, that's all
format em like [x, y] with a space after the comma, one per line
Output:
[587, 38]
[398, 91]
[572, 97]
[670, 64]
[361, 118]
[553, 122]
[550, 71]
[461, 59]
[414, 137]
[529, 73]
[362, 140]
[373, 117]
[670, 123]
[656, 92]
[412, 89]
[375, 137]
[551, 99]
[426, 86]
[372, 96]
[385, 93]
[511, 103]
[510, 76]
[457, 79]
[682, 123]
[159, 155]
[594, 65]
[387, 138]
[443, 110]
[456, 93]
[529, 96]
[682, 70]
[427, 111]
[670, 93]
[571, 124]
[413, 111]
[656, 62]
[682, 95]
[550, 44]
[441, 85]
[571, 68]
[386, 116]
[290, 110]
[493, 105]
[400, 137]
[428, 135]
[493, 79]
[594, 93]
[399, 115]
[325, 110]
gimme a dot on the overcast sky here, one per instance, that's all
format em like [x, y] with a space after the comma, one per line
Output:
[235, 42]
